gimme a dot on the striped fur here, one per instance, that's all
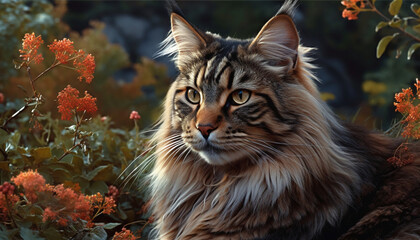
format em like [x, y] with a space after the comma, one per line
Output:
[281, 162]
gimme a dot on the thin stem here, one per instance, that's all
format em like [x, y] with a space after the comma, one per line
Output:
[387, 19]
[78, 123]
[28, 70]
[55, 64]
[15, 115]
[69, 151]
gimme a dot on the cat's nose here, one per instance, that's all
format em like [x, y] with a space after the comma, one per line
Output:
[205, 129]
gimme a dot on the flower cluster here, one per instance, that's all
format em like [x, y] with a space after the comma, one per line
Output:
[125, 234]
[85, 66]
[101, 204]
[62, 49]
[113, 192]
[69, 205]
[60, 204]
[30, 46]
[7, 198]
[353, 7]
[134, 115]
[401, 157]
[69, 101]
[405, 104]
[32, 182]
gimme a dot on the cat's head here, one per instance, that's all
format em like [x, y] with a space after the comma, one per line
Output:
[236, 99]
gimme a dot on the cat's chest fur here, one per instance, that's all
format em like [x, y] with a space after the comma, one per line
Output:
[245, 204]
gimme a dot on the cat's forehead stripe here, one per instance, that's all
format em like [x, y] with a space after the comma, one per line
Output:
[199, 76]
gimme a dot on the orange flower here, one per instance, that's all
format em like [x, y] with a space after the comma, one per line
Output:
[30, 45]
[69, 205]
[68, 101]
[49, 214]
[125, 234]
[88, 104]
[85, 65]
[350, 15]
[62, 49]
[134, 115]
[32, 182]
[353, 8]
[102, 204]
[405, 104]
[5, 202]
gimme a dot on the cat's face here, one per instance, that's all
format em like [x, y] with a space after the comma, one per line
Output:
[228, 102]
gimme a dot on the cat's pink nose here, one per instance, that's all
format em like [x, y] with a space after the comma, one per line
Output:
[205, 129]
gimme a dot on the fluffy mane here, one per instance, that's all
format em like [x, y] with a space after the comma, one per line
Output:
[305, 179]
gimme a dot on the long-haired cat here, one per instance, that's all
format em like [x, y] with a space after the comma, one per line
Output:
[246, 149]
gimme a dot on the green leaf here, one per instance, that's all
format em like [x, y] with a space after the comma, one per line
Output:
[383, 43]
[417, 28]
[41, 154]
[415, 8]
[3, 136]
[52, 233]
[97, 187]
[78, 164]
[394, 7]
[98, 233]
[395, 23]
[381, 25]
[101, 173]
[28, 234]
[111, 225]
[412, 49]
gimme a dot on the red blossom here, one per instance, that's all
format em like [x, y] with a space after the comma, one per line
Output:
[134, 115]
[32, 182]
[353, 7]
[102, 204]
[68, 100]
[1, 97]
[69, 205]
[85, 66]
[405, 103]
[125, 234]
[49, 214]
[62, 49]
[30, 45]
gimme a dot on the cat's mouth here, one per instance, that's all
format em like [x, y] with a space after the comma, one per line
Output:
[214, 154]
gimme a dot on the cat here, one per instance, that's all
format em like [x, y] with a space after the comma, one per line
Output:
[246, 148]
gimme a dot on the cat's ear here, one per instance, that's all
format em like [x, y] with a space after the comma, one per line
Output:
[278, 41]
[187, 38]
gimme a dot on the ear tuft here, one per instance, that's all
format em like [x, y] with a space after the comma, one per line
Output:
[186, 37]
[278, 40]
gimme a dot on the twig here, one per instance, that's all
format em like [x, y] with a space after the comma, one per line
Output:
[69, 151]
[28, 70]
[387, 19]
[46, 70]
[14, 115]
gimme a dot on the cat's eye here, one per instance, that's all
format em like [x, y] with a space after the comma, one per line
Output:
[193, 96]
[240, 96]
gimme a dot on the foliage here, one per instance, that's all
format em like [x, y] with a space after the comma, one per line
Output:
[405, 101]
[409, 26]
[144, 93]
[16, 19]
[80, 158]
